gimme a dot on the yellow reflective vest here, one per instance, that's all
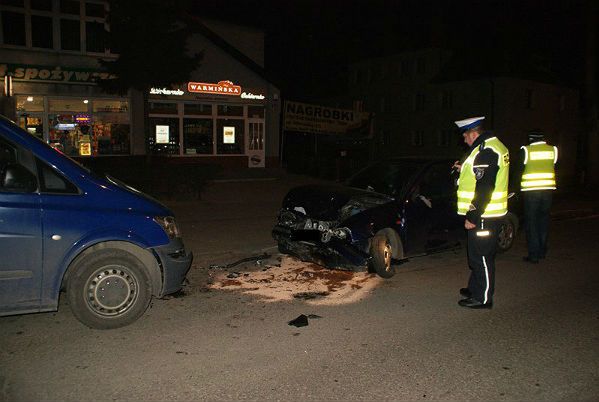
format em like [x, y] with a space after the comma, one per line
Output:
[467, 182]
[539, 167]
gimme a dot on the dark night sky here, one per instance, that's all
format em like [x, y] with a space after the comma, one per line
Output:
[309, 42]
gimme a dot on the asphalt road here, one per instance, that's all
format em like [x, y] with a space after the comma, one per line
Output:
[401, 339]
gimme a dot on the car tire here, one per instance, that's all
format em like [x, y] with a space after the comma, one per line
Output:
[381, 251]
[108, 289]
[506, 232]
[282, 247]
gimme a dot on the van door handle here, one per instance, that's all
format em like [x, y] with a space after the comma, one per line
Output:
[56, 237]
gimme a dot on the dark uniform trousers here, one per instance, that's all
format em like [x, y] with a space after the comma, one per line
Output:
[482, 247]
[537, 205]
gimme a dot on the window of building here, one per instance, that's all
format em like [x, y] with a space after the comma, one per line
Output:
[41, 5]
[70, 34]
[419, 101]
[70, 7]
[164, 135]
[421, 65]
[416, 139]
[198, 136]
[446, 99]
[230, 110]
[529, 98]
[13, 3]
[230, 136]
[95, 10]
[444, 138]
[256, 111]
[406, 67]
[562, 103]
[42, 34]
[198, 109]
[13, 28]
[95, 37]
[163, 108]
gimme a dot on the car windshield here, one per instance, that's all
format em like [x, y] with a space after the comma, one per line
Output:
[386, 177]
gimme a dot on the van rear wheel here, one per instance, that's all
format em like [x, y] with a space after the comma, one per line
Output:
[109, 289]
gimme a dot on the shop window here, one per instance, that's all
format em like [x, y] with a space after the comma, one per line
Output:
[41, 32]
[95, 37]
[94, 10]
[34, 125]
[229, 110]
[256, 111]
[42, 5]
[13, 28]
[30, 103]
[110, 106]
[197, 136]
[67, 105]
[164, 136]
[229, 136]
[198, 109]
[163, 108]
[70, 34]
[69, 7]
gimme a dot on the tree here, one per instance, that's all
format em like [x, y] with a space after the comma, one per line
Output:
[150, 39]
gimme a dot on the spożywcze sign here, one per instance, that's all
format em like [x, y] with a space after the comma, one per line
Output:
[24, 72]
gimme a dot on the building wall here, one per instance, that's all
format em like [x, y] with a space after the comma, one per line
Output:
[414, 115]
[248, 40]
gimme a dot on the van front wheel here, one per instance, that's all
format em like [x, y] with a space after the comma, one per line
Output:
[109, 289]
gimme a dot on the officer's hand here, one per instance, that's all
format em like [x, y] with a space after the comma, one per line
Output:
[457, 166]
[469, 225]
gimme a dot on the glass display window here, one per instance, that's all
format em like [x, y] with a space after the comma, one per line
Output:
[230, 110]
[230, 136]
[163, 108]
[164, 135]
[256, 111]
[198, 109]
[198, 136]
[110, 105]
[33, 124]
[30, 103]
[68, 105]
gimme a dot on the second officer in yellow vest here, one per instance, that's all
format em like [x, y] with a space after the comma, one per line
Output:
[537, 186]
[482, 199]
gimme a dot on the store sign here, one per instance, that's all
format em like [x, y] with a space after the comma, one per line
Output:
[249, 95]
[24, 72]
[164, 91]
[222, 88]
[162, 134]
[82, 118]
[228, 135]
[304, 117]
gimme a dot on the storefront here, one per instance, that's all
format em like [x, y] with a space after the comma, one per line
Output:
[208, 120]
[64, 107]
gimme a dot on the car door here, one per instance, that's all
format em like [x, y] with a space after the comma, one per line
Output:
[434, 198]
[20, 231]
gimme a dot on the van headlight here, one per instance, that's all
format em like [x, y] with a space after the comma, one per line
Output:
[168, 224]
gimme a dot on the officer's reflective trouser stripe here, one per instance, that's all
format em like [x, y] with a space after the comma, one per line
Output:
[483, 233]
[487, 279]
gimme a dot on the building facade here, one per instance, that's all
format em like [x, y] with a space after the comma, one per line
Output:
[415, 104]
[228, 113]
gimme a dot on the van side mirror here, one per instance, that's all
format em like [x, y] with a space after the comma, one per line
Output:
[16, 178]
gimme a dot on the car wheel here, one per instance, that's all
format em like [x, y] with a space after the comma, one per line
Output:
[283, 249]
[382, 255]
[109, 289]
[506, 233]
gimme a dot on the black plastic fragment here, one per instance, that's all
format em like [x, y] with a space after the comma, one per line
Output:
[300, 321]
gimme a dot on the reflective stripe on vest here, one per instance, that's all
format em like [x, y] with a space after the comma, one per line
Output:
[539, 167]
[467, 182]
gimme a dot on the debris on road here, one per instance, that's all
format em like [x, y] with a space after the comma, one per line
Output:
[292, 279]
[300, 321]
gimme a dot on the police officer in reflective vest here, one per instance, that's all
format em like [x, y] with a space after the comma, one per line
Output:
[482, 199]
[537, 185]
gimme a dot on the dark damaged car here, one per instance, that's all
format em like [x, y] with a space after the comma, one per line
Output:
[385, 214]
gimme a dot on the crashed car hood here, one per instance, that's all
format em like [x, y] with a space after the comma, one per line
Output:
[326, 202]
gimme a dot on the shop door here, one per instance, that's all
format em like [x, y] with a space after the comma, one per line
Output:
[255, 144]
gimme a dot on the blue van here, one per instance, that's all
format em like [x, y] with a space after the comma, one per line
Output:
[62, 227]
